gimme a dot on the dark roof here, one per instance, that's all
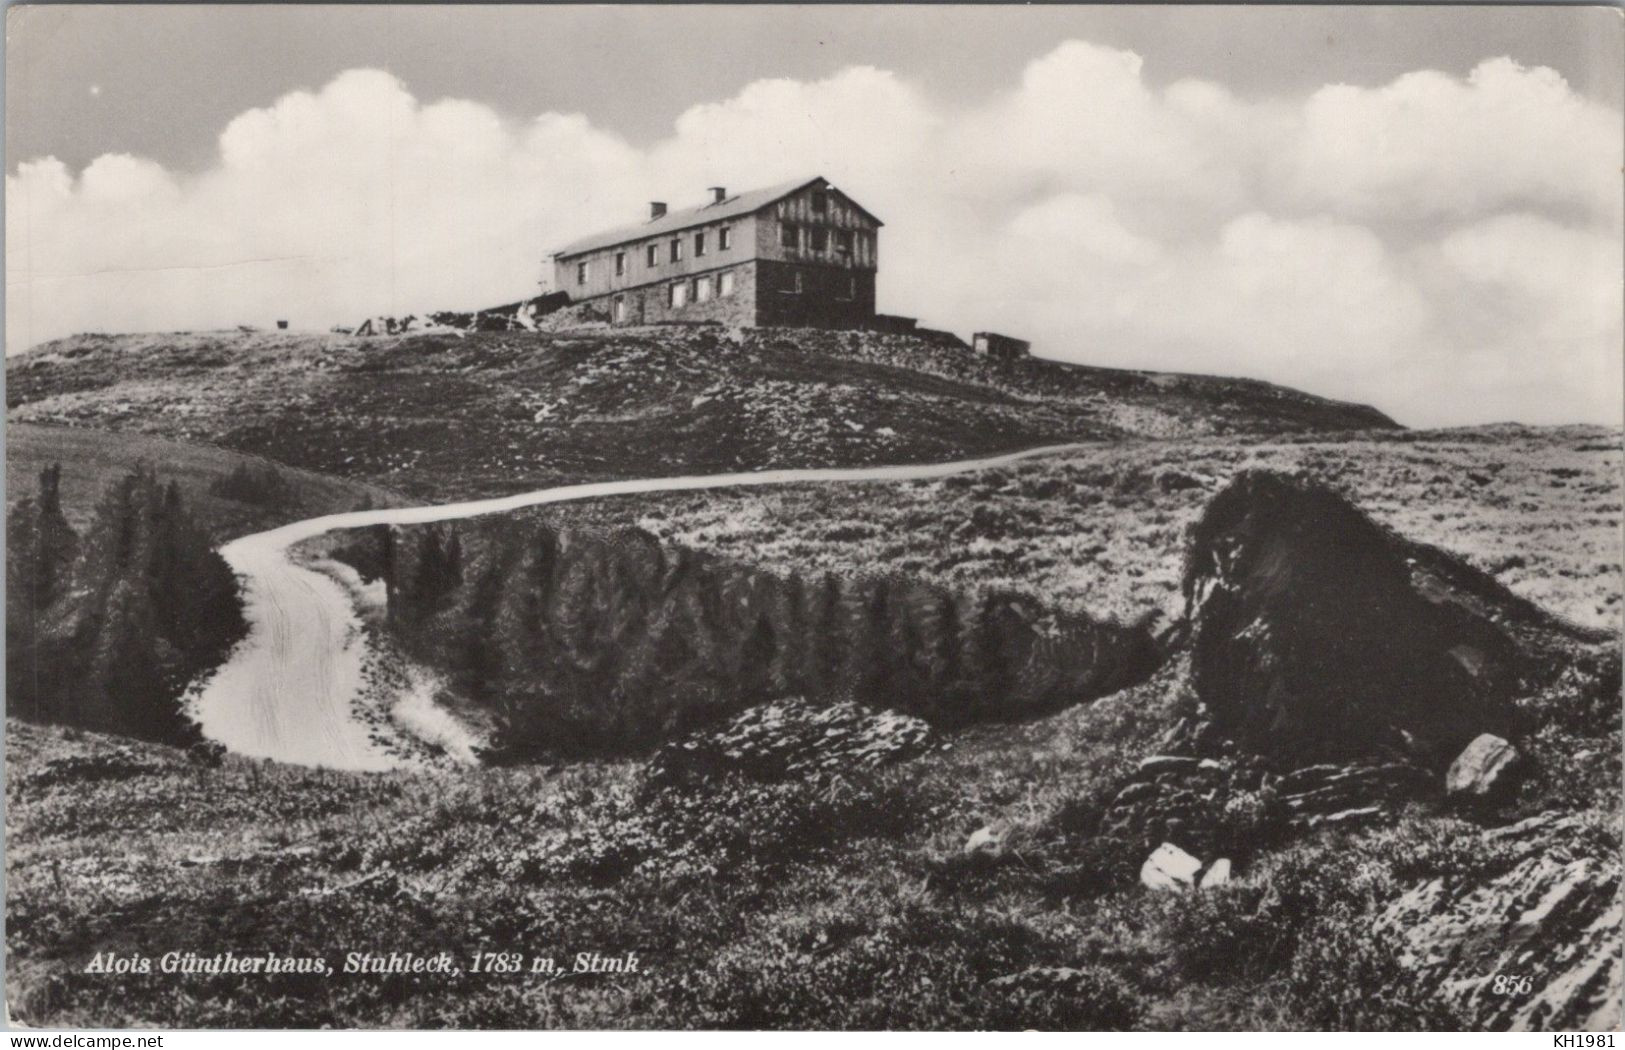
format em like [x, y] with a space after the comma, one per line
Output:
[747, 203]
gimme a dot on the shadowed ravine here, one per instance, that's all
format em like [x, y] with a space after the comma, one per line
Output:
[288, 691]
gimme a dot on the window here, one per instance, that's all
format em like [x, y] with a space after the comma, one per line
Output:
[620, 310]
[820, 202]
[702, 289]
[820, 238]
[676, 249]
[851, 289]
[699, 245]
[843, 241]
[725, 238]
[792, 283]
[653, 255]
[725, 284]
[620, 264]
[679, 294]
[789, 236]
[581, 273]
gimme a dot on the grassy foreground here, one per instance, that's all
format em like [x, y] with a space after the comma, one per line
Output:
[846, 903]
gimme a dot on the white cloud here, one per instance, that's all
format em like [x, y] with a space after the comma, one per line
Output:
[1430, 145]
[1422, 245]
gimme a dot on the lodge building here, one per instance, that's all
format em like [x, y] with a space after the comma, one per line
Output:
[801, 254]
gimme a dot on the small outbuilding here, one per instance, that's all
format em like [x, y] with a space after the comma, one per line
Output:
[1000, 347]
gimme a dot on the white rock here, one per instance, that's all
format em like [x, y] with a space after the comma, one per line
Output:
[1170, 868]
[1481, 767]
[989, 839]
[1217, 874]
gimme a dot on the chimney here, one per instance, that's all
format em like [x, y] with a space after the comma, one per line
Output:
[718, 194]
[656, 209]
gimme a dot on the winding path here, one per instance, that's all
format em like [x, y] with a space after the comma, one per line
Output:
[288, 691]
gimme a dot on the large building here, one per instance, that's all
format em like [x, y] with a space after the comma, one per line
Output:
[799, 254]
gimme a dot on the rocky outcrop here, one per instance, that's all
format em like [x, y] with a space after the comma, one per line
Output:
[1319, 635]
[1330, 795]
[1533, 945]
[1234, 806]
[792, 739]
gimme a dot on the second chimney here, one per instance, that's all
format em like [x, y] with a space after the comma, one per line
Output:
[656, 209]
[718, 194]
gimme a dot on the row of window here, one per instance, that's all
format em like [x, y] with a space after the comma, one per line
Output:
[793, 286]
[720, 286]
[681, 293]
[815, 238]
[812, 238]
[674, 253]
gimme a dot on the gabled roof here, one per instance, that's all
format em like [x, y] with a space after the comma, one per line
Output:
[747, 203]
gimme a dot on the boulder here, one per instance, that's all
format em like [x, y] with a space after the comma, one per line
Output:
[1484, 767]
[1320, 636]
[1170, 868]
[988, 841]
[1217, 874]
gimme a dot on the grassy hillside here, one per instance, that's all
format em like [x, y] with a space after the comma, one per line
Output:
[92, 461]
[1102, 531]
[446, 415]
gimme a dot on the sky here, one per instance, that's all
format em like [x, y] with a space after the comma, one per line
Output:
[1417, 208]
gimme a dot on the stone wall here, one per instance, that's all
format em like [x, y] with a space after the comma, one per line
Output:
[822, 301]
[650, 304]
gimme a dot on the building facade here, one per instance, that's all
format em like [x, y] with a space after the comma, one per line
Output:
[801, 254]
